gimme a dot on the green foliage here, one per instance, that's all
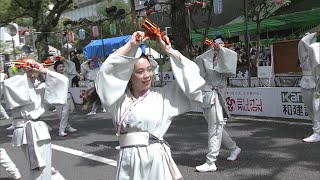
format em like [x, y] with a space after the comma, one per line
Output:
[123, 24]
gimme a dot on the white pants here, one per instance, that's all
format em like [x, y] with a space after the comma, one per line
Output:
[3, 112]
[217, 135]
[313, 107]
[7, 163]
[63, 113]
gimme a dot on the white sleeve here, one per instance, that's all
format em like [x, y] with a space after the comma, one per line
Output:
[113, 77]
[226, 62]
[188, 79]
[56, 88]
[70, 69]
[199, 61]
[16, 91]
[314, 58]
[84, 69]
[303, 47]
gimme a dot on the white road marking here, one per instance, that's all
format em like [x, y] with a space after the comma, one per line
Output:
[85, 155]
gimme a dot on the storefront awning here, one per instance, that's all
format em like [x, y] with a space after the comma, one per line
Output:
[287, 21]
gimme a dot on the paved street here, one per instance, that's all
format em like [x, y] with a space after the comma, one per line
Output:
[271, 148]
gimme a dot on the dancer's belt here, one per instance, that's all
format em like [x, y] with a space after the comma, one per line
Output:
[307, 73]
[144, 139]
[139, 139]
[209, 88]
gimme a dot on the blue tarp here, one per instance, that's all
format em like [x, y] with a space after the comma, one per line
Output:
[110, 45]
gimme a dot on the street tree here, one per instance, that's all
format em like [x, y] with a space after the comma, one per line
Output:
[45, 15]
[123, 23]
[259, 10]
[180, 31]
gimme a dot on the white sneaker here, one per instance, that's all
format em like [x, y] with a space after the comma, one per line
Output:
[117, 148]
[62, 134]
[10, 128]
[206, 167]
[315, 137]
[71, 129]
[234, 154]
[5, 118]
[91, 113]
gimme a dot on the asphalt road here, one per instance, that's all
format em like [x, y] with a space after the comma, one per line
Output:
[271, 148]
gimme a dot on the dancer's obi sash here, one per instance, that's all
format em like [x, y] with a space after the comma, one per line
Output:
[29, 133]
[144, 139]
[217, 99]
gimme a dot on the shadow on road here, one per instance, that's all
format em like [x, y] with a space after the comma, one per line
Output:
[269, 150]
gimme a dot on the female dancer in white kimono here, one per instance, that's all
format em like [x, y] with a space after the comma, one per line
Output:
[141, 114]
[308, 84]
[90, 73]
[66, 68]
[28, 99]
[3, 113]
[216, 65]
[9, 166]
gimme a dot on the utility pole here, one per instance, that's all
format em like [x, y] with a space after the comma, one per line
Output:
[246, 39]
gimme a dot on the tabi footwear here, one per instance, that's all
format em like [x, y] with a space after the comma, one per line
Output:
[71, 129]
[234, 154]
[62, 134]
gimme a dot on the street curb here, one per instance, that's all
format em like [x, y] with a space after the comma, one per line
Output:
[289, 121]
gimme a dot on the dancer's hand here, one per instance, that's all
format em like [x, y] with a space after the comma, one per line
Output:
[164, 43]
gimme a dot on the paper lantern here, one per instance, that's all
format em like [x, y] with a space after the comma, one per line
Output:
[113, 29]
[82, 34]
[71, 37]
[217, 7]
[95, 31]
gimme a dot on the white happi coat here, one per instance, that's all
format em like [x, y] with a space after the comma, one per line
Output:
[153, 114]
[28, 102]
[215, 71]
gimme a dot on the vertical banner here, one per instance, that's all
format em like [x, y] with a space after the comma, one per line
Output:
[217, 7]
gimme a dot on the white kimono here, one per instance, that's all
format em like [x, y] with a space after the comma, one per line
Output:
[28, 102]
[215, 71]
[89, 74]
[153, 112]
[309, 78]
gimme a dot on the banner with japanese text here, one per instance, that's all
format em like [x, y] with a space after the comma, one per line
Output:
[283, 102]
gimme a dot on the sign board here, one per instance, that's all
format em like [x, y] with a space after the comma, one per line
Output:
[264, 72]
[78, 94]
[283, 102]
